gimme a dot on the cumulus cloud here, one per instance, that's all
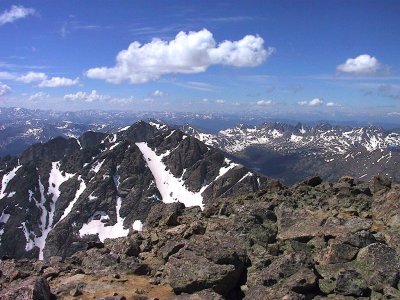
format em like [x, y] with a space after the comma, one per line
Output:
[264, 102]
[4, 89]
[313, 102]
[32, 77]
[363, 65]
[14, 13]
[7, 76]
[58, 82]
[87, 97]
[187, 53]
[44, 81]
[220, 101]
[333, 104]
[38, 96]
[158, 93]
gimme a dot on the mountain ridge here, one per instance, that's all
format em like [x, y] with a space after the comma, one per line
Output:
[59, 195]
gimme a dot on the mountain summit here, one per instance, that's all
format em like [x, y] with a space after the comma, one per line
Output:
[58, 196]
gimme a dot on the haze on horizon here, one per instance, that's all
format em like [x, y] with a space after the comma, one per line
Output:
[314, 59]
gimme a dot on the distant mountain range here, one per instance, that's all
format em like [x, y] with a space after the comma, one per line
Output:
[291, 153]
[284, 150]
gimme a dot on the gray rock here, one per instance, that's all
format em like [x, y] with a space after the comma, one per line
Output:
[379, 265]
[33, 288]
[350, 283]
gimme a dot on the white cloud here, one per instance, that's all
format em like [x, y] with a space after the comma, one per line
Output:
[59, 82]
[191, 52]
[38, 96]
[87, 97]
[362, 64]
[7, 76]
[158, 93]
[220, 101]
[32, 77]
[14, 13]
[4, 89]
[313, 102]
[394, 113]
[333, 104]
[264, 102]
[44, 81]
[204, 100]
[122, 101]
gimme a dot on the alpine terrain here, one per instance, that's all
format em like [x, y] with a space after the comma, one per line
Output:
[291, 153]
[57, 196]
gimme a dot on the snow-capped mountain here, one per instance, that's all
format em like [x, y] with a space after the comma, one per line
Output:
[293, 152]
[20, 127]
[57, 196]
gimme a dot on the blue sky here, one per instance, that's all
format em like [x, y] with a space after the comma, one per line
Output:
[325, 59]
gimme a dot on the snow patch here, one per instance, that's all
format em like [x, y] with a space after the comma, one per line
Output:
[82, 187]
[171, 188]
[30, 243]
[56, 178]
[113, 146]
[6, 179]
[123, 128]
[3, 219]
[158, 125]
[97, 165]
[229, 165]
[137, 225]
[98, 227]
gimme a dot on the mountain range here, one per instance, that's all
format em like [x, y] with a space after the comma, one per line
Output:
[291, 153]
[150, 211]
[286, 150]
[57, 196]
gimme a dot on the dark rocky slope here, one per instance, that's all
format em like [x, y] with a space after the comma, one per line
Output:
[58, 196]
[314, 240]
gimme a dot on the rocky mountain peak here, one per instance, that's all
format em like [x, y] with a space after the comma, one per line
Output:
[66, 193]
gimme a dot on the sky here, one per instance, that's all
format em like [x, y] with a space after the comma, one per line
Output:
[326, 59]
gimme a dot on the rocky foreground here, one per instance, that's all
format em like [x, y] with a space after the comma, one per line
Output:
[314, 240]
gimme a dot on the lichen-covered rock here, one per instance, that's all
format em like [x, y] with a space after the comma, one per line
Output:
[379, 265]
[213, 261]
[350, 283]
[33, 288]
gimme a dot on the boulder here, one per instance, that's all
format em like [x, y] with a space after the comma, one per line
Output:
[33, 288]
[379, 265]
[202, 295]
[378, 183]
[350, 283]
[212, 261]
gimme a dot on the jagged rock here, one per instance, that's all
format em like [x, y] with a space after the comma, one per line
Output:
[260, 292]
[359, 239]
[164, 214]
[350, 283]
[282, 267]
[313, 181]
[129, 246]
[202, 295]
[337, 252]
[305, 224]
[213, 261]
[33, 288]
[378, 183]
[379, 265]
